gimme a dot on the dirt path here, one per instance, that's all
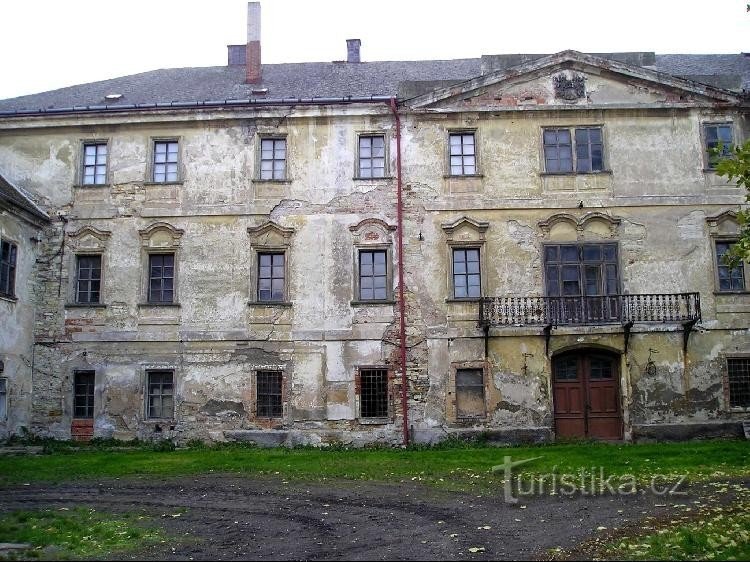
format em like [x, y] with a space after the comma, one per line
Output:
[225, 517]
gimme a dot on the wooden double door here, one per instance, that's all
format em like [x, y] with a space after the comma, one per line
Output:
[586, 394]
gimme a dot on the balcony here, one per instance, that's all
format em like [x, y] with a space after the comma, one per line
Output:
[682, 308]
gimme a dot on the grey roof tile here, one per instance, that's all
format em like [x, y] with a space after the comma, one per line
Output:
[20, 198]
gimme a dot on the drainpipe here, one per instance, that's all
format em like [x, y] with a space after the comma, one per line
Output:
[401, 303]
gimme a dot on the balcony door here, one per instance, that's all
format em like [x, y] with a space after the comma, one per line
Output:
[586, 393]
[584, 280]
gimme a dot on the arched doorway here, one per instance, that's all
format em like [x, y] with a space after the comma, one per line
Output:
[586, 394]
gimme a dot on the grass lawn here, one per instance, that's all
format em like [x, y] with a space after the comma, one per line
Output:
[75, 533]
[455, 466]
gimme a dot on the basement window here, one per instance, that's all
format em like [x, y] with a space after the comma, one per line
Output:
[738, 371]
[373, 393]
[83, 395]
[160, 394]
[269, 402]
[470, 393]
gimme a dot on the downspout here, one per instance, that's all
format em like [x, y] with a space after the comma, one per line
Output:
[401, 303]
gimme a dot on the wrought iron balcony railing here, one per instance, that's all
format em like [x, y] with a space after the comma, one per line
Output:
[609, 309]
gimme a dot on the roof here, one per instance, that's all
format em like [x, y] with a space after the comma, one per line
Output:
[20, 198]
[342, 79]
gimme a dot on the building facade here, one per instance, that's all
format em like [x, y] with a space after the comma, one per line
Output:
[526, 247]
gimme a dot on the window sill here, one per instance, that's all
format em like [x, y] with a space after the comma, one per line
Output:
[178, 182]
[739, 409]
[287, 304]
[372, 302]
[462, 176]
[596, 173]
[85, 305]
[730, 293]
[468, 299]
[8, 298]
[92, 185]
[258, 180]
[374, 421]
[360, 178]
[159, 304]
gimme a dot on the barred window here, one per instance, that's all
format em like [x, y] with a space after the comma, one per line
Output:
[373, 393]
[373, 275]
[269, 401]
[271, 277]
[273, 159]
[730, 278]
[160, 394]
[463, 158]
[466, 273]
[372, 156]
[166, 159]
[738, 369]
[718, 135]
[559, 151]
[8, 256]
[94, 163]
[83, 394]
[469, 393]
[161, 278]
[88, 279]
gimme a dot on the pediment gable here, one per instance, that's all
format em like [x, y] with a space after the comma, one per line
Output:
[570, 80]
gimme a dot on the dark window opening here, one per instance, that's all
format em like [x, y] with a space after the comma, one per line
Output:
[160, 394]
[373, 389]
[470, 393]
[739, 382]
[269, 394]
[89, 276]
[730, 278]
[83, 394]
[8, 256]
[373, 275]
[466, 273]
[161, 278]
[271, 277]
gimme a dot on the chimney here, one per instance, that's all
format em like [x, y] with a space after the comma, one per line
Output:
[352, 50]
[252, 64]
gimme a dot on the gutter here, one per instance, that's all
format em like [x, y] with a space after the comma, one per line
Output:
[401, 303]
[210, 104]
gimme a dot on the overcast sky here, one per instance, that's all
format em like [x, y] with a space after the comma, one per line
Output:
[48, 44]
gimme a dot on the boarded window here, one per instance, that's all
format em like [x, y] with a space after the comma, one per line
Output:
[730, 278]
[273, 159]
[83, 394]
[95, 164]
[271, 277]
[269, 403]
[161, 278]
[373, 393]
[469, 393]
[166, 160]
[88, 279]
[160, 394]
[8, 255]
[463, 158]
[738, 369]
[466, 276]
[372, 156]
[373, 275]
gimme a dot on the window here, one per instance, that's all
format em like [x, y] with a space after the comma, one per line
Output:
[95, 163]
[161, 278]
[738, 371]
[373, 275]
[371, 156]
[160, 394]
[166, 159]
[579, 149]
[3, 398]
[463, 158]
[584, 276]
[269, 402]
[720, 134]
[273, 159]
[83, 394]
[8, 255]
[469, 393]
[730, 278]
[271, 277]
[373, 393]
[88, 279]
[466, 276]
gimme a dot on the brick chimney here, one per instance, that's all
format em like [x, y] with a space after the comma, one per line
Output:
[352, 50]
[252, 64]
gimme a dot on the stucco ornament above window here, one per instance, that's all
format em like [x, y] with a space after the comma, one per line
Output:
[569, 88]
[465, 229]
[568, 226]
[161, 235]
[270, 234]
[89, 238]
[372, 231]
